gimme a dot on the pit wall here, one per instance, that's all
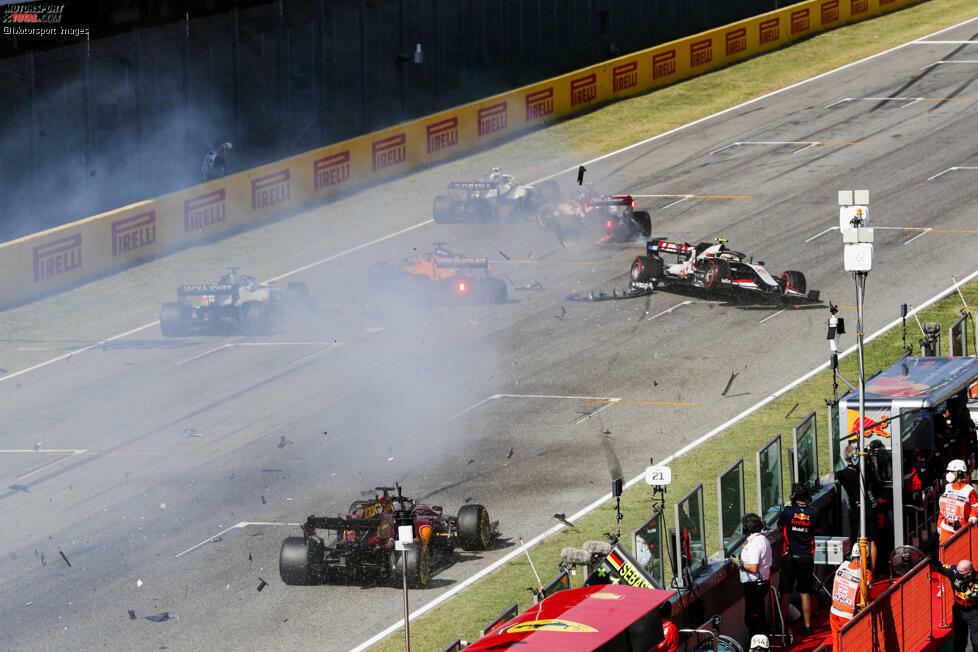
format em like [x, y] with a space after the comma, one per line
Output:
[62, 257]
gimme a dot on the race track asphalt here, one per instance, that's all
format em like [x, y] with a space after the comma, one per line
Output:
[365, 391]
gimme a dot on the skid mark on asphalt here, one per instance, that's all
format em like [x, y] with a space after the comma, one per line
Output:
[907, 100]
[801, 144]
[327, 346]
[609, 400]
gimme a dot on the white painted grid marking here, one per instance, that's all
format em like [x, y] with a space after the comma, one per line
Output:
[806, 143]
[938, 63]
[242, 524]
[58, 461]
[668, 310]
[908, 100]
[924, 232]
[770, 316]
[607, 405]
[551, 396]
[819, 235]
[954, 169]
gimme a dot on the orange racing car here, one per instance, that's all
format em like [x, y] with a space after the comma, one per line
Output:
[439, 276]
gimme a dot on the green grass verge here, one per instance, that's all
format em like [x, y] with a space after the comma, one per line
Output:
[620, 124]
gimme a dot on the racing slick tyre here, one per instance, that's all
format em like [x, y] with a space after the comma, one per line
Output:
[444, 209]
[548, 192]
[175, 319]
[295, 561]
[644, 222]
[418, 566]
[473, 528]
[646, 269]
[793, 280]
[495, 291]
[713, 271]
[547, 217]
[380, 276]
[254, 318]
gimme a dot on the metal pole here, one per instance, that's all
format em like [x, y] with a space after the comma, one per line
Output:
[407, 612]
[863, 500]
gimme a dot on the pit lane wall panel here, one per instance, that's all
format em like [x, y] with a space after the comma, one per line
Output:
[58, 258]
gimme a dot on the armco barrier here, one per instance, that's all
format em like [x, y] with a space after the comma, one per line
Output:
[64, 256]
[895, 621]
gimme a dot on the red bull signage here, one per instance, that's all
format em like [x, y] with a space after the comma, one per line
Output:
[663, 64]
[736, 41]
[442, 135]
[331, 170]
[539, 104]
[584, 89]
[701, 52]
[830, 12]
[270, 189]
[769, 31]
[492, 118]
[203, 210]
[858, 7]
[134, 232]
[875, 423]
[389, 152]
[800, 21]
[57, 257]
[624, 76]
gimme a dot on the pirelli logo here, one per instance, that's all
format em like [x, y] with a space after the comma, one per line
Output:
[584, 89]
[270, 189]
[492, 118]
[331, 170]
[858, 6]
[769, 30]
[134, 232]
[203, 210]
[830, 12]
[442, 135]
[624, 76]
[57, 257]
[390, 151]
[800, 21]
[663, 64]
[701, 52]
[736, 41]
[539, 104]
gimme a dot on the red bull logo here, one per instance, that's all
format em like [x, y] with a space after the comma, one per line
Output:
[858, 6]
[800, 21]
[539, 104]
[624, 76]
[492, 118]
[701, 52]
[801, 518]
[331, 170]
[663, 64]
[830, 12]
[584, 89]
[134, 232]
[769, 30]
[390, 151]
[870, 426]
[736, 41]
[57, 257]
[442, 135]
[270, 189]
[202, 211]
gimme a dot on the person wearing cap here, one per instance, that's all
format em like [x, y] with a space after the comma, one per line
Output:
[846, 594]
[755, 573]
[670, 633]
[959, 503]
[759, 642]
[799, 523]
[965, 610]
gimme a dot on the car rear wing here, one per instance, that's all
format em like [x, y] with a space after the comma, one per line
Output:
[659, 245]
[206, 289]
[477, 186]
[339, 524]
[614, 200]
[462, 263]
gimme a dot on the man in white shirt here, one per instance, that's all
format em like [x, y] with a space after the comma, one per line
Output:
[755, 574]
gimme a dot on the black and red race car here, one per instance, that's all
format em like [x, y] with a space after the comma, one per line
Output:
[588, 213]
[439, 276]
[716, 269]
[361, 548]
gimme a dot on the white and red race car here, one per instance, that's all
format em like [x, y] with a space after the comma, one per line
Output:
[715, 268]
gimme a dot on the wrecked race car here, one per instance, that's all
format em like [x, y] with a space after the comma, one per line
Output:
[588, 213]
[439, 276]
[495, 197]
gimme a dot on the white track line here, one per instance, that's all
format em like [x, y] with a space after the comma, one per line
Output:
[201, 355]
[607, 405]
[937, 63]
[48, 466]
[919, 42]
[924, 232]
[678, 201]
[819, 235]
[770, 316]
[242, 524]
[806, 143]
[598, 503]
[951, 170]
[666, 312]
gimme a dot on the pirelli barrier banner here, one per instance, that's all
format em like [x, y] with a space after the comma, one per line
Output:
[64, 256]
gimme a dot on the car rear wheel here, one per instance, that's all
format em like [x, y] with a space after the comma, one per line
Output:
[295, 561]
[444, 209]
[792, 280]
[713, 271]
[547, 217]
[474, 528]
[175, 319]
[646, 269]
[254, 317]
[644, 222]
[418, 566]
[495, 290]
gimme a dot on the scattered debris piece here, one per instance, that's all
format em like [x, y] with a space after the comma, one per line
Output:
[27, 604]
[390, 459]
[232, 477]
[20, 487]
[563, 313]
[733, 374]
[65, 558]
[69, 357]
[529, 256]
[627, 293]
[161, 617]
[37, 446]
[139, 583]
[162, 505]
[510, 453]
[504, 256]
[249, 557]
[263, 500]
[261, 584]
[192, 432]
[43, 562]
[563, 519]
[605, 431]
[790, 411]
[132, 614]
[469, 499]
[470, 461]
[535, 285]
[283, 442]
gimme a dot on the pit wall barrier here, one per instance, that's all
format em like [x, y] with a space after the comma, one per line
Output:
[58, 258]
